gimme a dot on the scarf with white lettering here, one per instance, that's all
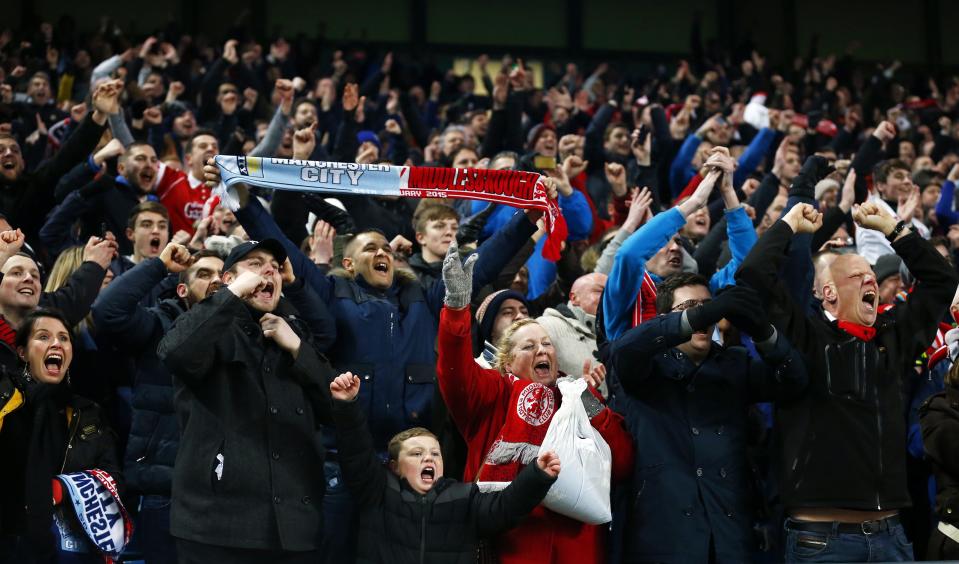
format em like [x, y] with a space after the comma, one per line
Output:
[97, 505]
[525, 190]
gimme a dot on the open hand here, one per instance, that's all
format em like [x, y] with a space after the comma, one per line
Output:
[594, 375]
[638, 208]
[321, 244]
[458, 276]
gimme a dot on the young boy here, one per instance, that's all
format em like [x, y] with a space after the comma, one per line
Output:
[411, 512]
[435, 225]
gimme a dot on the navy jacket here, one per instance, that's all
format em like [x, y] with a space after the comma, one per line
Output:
[689, 424]
[151, 449]
[388, 337]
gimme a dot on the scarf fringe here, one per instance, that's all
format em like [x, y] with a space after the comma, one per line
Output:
[505, 453]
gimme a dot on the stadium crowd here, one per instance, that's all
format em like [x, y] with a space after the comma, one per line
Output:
[758, 285]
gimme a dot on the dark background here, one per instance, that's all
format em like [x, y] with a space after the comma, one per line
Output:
[917, 32]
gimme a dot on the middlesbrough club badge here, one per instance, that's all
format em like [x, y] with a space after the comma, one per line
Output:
[535, 404]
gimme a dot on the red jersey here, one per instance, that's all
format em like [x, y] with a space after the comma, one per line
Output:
[183, 196]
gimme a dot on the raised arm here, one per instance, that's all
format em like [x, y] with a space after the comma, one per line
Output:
[117, 310]
[259, 224]
[945, 207]
[753, 155]
[936, 281]
[76, 297]
[470, 392]
[629, 266]
[363, 471]
[760, 270]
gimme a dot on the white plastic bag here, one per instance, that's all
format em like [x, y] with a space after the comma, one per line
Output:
[581, 491]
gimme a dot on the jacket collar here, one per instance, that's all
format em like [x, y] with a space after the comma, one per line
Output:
[571, 311]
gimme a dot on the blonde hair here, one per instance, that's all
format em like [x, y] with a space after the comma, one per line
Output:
[67, 263]
[504, 347]
[396, 443]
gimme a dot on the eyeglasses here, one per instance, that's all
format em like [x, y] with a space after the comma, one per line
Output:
[689, 304]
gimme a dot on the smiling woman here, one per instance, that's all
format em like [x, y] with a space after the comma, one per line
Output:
[51, 431]
[504, 413]
[44, 345]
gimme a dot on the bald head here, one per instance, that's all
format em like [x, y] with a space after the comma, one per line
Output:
[852, 293]
[586, 292]
[822, 264]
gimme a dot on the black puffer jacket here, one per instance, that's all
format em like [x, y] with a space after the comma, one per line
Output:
[399, 525]
[939, 417]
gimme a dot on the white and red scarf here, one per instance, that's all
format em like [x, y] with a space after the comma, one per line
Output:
[526, 190]
[532, 406]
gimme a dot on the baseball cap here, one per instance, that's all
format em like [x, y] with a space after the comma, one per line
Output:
[272, 246]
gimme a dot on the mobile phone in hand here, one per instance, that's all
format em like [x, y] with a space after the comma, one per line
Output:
[543, 162]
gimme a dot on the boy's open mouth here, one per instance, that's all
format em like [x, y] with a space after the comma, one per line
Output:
[428, 474]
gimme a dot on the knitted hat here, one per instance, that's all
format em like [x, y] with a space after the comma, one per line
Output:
[825, 184]
[535, 133]
[486, 312]
[367, 135]
[887, 265]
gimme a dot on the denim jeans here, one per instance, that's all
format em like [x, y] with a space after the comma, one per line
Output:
[884, 546]
[339, 518]
[153, 530]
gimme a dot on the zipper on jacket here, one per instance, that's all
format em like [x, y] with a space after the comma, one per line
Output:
[74, 425]
[878, 429]
[423, 531]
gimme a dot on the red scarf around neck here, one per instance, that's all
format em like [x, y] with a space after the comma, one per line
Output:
[532, 406]
[861, 332]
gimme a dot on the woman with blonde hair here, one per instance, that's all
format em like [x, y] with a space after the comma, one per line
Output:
[503, 414]
[91, 376]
